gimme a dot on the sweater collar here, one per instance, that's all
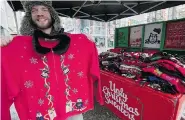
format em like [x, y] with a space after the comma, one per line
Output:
[60, 48]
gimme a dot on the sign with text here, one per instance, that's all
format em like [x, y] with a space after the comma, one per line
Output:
[175, 35]
[136, 36]
[122, 102]
[153, 35]
[122, 37]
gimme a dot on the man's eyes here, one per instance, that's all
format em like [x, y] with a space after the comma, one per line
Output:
[45, 9]
[35, 10]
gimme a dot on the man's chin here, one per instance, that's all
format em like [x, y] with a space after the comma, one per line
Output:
[43, 27]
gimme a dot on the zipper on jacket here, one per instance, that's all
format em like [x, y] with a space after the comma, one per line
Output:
[54, 66]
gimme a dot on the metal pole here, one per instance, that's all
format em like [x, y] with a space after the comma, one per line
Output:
[15, 17]
[155, 12]
[174, 12]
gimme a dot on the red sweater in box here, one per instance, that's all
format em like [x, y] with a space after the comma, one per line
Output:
[49, 85]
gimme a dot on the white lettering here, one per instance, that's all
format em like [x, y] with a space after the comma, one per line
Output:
[132, 117]
[136, 112]
[118, 99]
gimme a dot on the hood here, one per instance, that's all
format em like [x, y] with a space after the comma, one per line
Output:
[26, 25]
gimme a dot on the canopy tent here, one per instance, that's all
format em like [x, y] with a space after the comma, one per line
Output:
[104, 11]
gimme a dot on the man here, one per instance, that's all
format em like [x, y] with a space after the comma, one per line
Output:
[50, 80]
[40, 15]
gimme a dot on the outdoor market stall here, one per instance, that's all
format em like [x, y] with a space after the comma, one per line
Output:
[126, 94]
[139, 80]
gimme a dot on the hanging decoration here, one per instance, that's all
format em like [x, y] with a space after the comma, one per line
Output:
[153, 35]
[45, 75]
[136, 36]
[122, 40]
[175, 35]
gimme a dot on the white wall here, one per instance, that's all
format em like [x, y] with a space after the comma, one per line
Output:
[7, 17]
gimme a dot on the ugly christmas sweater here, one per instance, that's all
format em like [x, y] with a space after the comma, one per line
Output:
[49, 80]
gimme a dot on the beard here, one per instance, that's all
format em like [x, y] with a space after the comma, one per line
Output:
[42, 26]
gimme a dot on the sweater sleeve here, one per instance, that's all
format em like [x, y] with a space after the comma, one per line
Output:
[5, 101]
[9, 80]
[95, 73]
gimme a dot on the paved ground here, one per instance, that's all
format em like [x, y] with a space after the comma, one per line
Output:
[100, 113]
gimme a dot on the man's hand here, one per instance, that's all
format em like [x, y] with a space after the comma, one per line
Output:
[5, 40]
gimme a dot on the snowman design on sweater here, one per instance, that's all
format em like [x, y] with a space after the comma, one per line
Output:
[39, 116]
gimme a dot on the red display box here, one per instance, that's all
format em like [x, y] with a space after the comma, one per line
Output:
[131, 101]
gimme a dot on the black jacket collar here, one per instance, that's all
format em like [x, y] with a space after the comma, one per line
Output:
[60, 48]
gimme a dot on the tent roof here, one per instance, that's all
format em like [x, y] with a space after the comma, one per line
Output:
[104, 10]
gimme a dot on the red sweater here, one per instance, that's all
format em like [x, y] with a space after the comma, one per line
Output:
[51, 86]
